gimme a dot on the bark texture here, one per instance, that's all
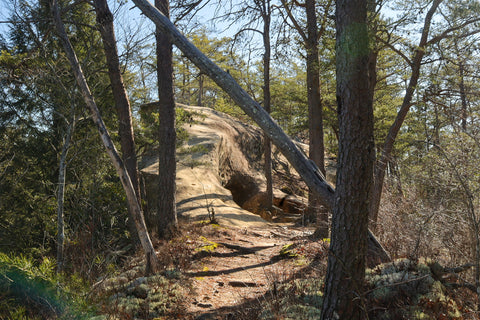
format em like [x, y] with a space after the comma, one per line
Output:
[266, 16]
[166, 209]
[463, 95]
[315, 112]
[134, 206]
[343, 294]
[120, 96]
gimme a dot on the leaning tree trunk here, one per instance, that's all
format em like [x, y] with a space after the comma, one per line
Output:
[122, 103]
[309, 172]
[346, 261]
[134, 206]
[166, 210]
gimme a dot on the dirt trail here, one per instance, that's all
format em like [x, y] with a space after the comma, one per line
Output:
[246, 264]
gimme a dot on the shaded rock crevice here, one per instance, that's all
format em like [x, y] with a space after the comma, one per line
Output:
[240, 168]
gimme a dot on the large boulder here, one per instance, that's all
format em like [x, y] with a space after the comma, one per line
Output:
[219, 170]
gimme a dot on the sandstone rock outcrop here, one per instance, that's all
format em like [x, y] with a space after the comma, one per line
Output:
[219, 169]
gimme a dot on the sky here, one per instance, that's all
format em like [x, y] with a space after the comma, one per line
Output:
[4, 13]
[132, 18]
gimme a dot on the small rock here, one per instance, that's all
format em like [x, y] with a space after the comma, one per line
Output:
[235, 283]
[137, 282]
[204, 305]
[141, 291]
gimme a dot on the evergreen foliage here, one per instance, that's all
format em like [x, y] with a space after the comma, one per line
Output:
[39, 100]
[32, 291]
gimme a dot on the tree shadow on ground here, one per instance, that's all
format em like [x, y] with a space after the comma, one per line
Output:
[251, 308]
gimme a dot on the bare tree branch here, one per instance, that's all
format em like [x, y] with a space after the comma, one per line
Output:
[294, 21]
[449, 32]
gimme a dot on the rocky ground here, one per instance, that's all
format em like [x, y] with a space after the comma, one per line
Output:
[245, 266]
[218, 272]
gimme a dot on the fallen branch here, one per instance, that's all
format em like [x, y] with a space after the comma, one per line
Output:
[445, 275]
[459, 269]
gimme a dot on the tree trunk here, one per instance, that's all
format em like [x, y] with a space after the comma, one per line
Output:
[463, 96]
[134, 206]
[381, 164]
[267, 101]
[346, 262]
[309, 172]
[166, 210]
[61, 196]
[122, 103]
[315, 108]
[200, 90]
[315, 112]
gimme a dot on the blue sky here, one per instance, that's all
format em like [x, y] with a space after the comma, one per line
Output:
[4, 14]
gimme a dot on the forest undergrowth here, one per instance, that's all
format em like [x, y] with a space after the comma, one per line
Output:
[418, 284]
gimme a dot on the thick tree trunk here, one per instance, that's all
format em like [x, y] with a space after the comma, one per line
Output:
[122, 103]
[134, 206]
[382, 162]
[166, 210]
[308, 171]
[315, 119]
[346, 261]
